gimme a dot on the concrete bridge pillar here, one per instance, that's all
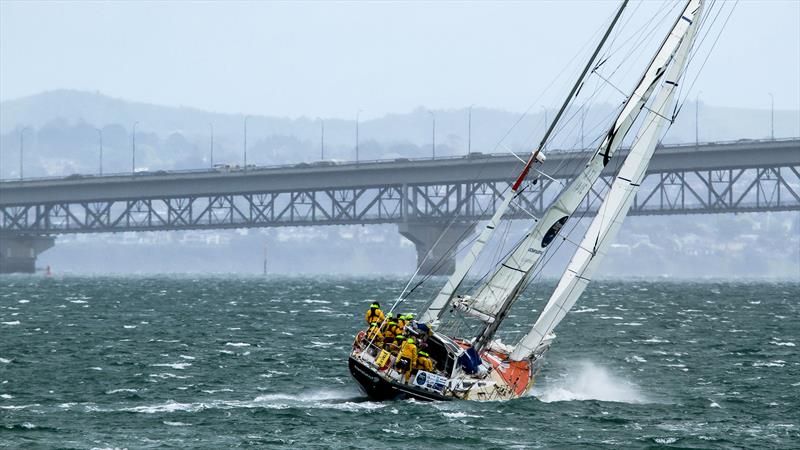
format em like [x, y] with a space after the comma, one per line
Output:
[18, 253]
[441, 260]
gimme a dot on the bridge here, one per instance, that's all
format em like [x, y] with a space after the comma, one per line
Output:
[424, 197]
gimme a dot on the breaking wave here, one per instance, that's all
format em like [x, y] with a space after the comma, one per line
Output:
[589, 381]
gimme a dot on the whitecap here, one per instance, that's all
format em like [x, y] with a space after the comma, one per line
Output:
[179, 366]
[20, 406]
[316, 344]
[459, 415]
[777, 363]
[666, 440]
[654, 340]
[636, 358]
[6, 396]
[186, 357]
[237, 344]
[117, 391]
[578, 311]
[170, 406]
[79, 302]
[168, 375]
[23, 301]
[784, 344]
[4, 360]
[13, 322]
[176, 424]
[129, 327]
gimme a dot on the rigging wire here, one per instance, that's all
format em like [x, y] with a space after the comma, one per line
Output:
[682, 76]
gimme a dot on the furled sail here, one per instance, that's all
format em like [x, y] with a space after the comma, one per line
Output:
[618, 202]
[495, 297]
[443, 299]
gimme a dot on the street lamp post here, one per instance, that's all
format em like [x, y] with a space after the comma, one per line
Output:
[544, 110]
[469, 131]
[433, 136]
[697, 119]
[100, 135]
[133, 150]
[771, 116]
[21, 147]
[244, 149]
[321, 140]
[211, 145]
[357, 117]
[583, 119]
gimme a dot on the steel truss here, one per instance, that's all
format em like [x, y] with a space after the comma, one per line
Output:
[775, 188]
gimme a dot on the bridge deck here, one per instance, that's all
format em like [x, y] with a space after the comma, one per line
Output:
[740, 176]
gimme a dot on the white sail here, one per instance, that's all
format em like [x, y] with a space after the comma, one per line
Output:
[435, 309]
[612, 212]
[496, 296]
[441, 301]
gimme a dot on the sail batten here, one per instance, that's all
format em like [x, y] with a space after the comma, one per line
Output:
[619, 200]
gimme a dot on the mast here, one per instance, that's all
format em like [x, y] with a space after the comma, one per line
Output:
[434, 311]
[496, 296]
[618, 202]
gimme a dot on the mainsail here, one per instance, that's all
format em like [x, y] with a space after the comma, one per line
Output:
[618, 202]
[435, 309]
[495, 297]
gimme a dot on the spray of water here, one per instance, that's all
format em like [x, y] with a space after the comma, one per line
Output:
[586, 380]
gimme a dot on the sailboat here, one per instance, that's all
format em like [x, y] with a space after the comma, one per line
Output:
[471, 363]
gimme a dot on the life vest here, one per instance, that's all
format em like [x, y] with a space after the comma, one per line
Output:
[374, 315]
[374, 334]
[390, 331]
[409, 351]
[424, 363]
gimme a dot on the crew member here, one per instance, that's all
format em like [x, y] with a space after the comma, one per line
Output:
[407, 359]
[424, 362]
[401, 321]
[389, 330]
[374, 314]
[393, 347]
[374, 335]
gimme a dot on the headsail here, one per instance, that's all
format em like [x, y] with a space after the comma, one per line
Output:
[612, 212]
[496, 296]
[435, 309]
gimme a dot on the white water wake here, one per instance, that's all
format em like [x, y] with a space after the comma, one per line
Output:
[588, 381]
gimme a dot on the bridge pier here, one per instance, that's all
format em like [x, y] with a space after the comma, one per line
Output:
[424, 235]
[18, 253]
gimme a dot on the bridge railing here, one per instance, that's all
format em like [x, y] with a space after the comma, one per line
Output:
[235, 169]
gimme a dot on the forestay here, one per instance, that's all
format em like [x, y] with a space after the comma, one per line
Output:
[495, 297]
[612, 212]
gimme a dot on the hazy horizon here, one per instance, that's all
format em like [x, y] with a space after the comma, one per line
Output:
[333, 59]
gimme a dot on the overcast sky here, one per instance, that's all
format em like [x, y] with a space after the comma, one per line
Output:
[332, 59]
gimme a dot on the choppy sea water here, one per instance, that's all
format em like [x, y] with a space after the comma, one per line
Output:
[229, 362]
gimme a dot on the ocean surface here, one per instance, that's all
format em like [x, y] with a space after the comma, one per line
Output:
[182, 362]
